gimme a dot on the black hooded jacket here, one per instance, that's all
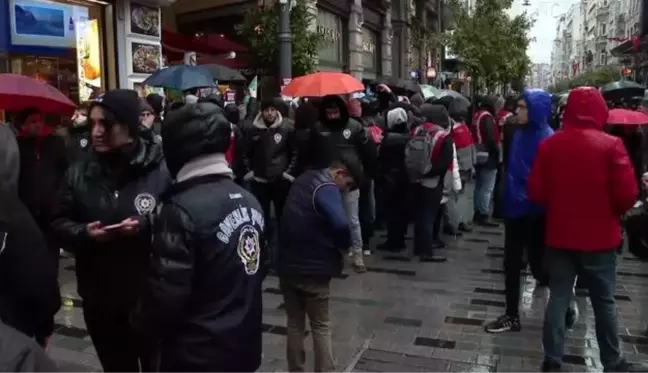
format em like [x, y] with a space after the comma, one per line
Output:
[271, 149]
[29, 292]
[110, 188]
[203, 299]
[345, 136]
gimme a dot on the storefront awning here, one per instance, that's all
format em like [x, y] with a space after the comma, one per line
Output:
[622, 49]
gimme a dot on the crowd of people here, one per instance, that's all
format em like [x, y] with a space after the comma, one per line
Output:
[175, 213]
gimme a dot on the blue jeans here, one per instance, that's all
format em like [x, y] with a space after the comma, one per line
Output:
[484, 186]
[598, 269]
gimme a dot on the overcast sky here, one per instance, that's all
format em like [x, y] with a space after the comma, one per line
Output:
[545, 13]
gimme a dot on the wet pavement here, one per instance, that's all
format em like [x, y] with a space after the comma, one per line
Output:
[406, 316]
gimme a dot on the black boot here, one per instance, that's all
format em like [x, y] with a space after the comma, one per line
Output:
[463, 227]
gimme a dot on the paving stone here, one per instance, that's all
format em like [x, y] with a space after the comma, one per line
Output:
[433, 312]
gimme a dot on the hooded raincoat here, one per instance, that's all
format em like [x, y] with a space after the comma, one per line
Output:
[583, 177]
[524, 147]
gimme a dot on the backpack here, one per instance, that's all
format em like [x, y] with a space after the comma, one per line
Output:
[421, 150]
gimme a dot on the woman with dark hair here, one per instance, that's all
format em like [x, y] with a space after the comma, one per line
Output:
[102, 218]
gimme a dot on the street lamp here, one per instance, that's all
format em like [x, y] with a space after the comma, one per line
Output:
[285, 42]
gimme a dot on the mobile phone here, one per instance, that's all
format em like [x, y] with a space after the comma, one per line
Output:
[112, 227]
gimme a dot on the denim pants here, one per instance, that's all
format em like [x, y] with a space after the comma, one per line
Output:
[598, 269]
[484, 186]
[426, 205]
[352, 208]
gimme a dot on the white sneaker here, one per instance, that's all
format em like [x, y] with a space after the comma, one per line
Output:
[367, 253]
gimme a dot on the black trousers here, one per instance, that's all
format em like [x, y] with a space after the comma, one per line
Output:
[118, 347]
[498, 192]
[397, 212]
[526, 233]
[271, 194]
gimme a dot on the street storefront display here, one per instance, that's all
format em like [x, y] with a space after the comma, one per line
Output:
[138, 38]
[59, 43]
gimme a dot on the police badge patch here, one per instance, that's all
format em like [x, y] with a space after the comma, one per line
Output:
[249, 249]
[144, 203]
[277, 138]
[83, 143]
[346, 133]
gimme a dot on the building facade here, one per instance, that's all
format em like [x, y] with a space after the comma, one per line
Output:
[369, 39]
[590, 33]
[539, 76]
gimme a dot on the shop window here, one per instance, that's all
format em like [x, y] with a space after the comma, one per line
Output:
[330, 26]
[79, 71]
[369, 49]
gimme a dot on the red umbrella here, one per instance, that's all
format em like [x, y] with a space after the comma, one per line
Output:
[322, 84]
[19, 92]
[625, 117]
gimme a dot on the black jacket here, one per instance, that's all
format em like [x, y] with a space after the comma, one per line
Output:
[487, 132]
[43, 162]
[271, 150]
[391, 154]
[29, 293]
[19, 353]
[345, 136]
[77, 142]
[108, 272]
[203, 299]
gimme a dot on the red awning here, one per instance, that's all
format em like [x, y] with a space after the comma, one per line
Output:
[241, 61]
[219, 41]
[175, 43]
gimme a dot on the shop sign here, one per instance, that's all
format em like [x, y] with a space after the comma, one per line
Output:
[329, 25]
[368, 47]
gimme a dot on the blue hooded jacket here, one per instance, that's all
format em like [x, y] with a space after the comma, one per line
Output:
[524, 147]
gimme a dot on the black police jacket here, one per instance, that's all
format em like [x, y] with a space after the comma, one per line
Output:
[203, 301]
[108, 273]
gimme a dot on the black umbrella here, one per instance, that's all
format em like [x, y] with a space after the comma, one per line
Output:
[224, 73]
[181, 77]
[622, 89]
[402, 87]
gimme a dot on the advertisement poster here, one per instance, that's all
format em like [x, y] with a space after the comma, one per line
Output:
[88, 59]
[144, 20]
[45, 23]
[146, 58]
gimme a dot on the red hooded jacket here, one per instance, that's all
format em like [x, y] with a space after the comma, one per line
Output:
[583, 178]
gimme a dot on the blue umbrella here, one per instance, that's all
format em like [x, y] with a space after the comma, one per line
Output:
[181, 77]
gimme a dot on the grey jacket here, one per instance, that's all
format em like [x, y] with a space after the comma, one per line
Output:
[9, 158]
[19, 353]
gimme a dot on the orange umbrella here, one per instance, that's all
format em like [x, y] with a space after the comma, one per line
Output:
[322, 84]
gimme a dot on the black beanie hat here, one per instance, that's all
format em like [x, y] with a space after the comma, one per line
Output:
[156, 102]
[124, 105]
[271, 102]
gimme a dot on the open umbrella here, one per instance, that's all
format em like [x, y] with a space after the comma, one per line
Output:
[402, 87]
[181, 77]
[456, 95]
[224, 73]
[625, 117]
[621, 89]
[322, 84]
[429, 91]
[19, 92]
